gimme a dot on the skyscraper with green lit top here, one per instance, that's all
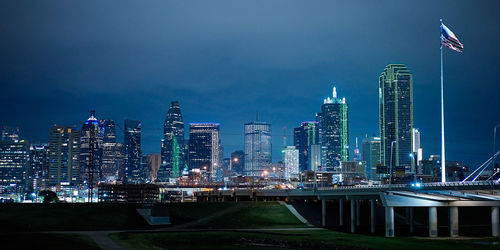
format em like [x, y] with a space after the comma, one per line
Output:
[172, 145]
[396, 115]
[334, 131]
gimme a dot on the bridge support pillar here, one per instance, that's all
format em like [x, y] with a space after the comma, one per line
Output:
[323, 213]
[433, 224]
[357, 212]
[412, 222]
[353, 216]
[341, 212]
[453, 221]
[389, 221]
[495, 232]
[372, 216]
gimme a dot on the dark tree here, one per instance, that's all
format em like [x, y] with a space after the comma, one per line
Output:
[48, 196]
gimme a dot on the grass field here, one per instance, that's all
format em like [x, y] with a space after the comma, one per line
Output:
[46, 241]
[319, 239]
[255, 215]
[98, 216]
[69, 216]
[202, 224]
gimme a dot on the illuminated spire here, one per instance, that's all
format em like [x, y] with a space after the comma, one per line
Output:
[334, 92]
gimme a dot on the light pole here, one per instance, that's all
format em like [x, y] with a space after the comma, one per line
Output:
[494, 142]
[390, 168]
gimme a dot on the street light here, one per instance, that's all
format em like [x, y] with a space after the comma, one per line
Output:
[390, 169]
[494, 142]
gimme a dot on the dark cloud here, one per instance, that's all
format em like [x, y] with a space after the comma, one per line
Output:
[225, 60]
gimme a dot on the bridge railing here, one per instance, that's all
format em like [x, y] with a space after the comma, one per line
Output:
[421, 185]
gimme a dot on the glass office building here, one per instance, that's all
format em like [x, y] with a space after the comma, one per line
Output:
[396, 115]
[258, 148]
[334, 131]
[172, 145]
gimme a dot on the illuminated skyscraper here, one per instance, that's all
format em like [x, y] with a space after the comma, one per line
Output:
[14, 163]
[371, 155]
[204, 148]
[91, 146]
[396, 115]
[172, 145]
[39, 168]
[291, 162]
[334, 131]
[305, 136]
[112, 152]
[258, 148]
[133, 169]
[64, 156]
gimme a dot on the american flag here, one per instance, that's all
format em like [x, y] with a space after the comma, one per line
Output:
[449, 39]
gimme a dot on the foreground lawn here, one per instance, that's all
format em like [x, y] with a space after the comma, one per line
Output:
[254, 215]
[46, 241]
[96, 216]
[69, 216]
[287, 239]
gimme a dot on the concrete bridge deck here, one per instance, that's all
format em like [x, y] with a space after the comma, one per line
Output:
[430, 195]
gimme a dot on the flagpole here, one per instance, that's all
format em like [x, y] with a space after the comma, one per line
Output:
[443, 158]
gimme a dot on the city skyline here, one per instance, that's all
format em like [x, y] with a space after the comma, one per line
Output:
[60, 88]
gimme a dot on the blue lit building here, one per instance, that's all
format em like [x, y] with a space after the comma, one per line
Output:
[91, 150]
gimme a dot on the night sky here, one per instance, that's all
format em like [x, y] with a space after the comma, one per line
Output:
[226, 60]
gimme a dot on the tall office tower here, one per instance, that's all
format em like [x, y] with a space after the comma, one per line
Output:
[371, 155]
[172, 144]
[291, 162]
[334, 131]
[204, 148]
[417, 152]
[151, 163]
[14, 163]
[112, 152]
[91, 151]
[237, 163]
[64, 156]
[133, 169]
[305, 136]
[109, 127]
[258, 148]
[315, 158]
[10, 134]
[396, 115]
[39, 169]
